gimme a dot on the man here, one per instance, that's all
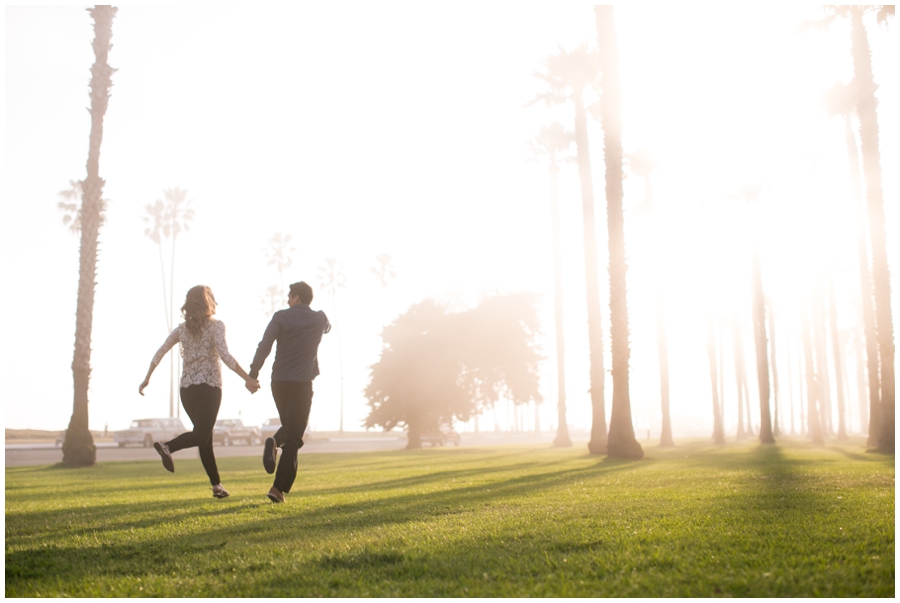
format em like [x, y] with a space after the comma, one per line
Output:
[298, 330]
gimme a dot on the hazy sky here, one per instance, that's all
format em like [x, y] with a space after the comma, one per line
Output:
[362, 129]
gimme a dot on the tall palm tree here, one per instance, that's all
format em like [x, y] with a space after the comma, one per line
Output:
[278, 255]
[750, 194]
[167, 219]
[840, 99]
[331, 278]
[78, 448]
[812, 389]
[384, 272]
[866, 109]
[622, 442]
[770, 315]
[569, 76]
[552, 145]
[643, 165]
[718, 426]
[838, 357]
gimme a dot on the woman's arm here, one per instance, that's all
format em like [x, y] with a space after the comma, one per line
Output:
[171, 340]
[250, 383]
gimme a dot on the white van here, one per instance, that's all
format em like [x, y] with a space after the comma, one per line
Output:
[147, 431]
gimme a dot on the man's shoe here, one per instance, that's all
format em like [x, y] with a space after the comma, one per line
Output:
[269, 452]
[167, 461]
[219, 491]
[275, 495]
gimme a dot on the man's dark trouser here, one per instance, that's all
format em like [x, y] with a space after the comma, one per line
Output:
[293, 400]
[201, 402]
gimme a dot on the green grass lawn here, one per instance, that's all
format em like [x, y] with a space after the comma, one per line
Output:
[506, 521]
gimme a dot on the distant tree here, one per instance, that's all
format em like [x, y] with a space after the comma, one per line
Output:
[384, 272]
[78, 447]
[740, 375]
[331, 278]
[643, 165]
[271, 300]
[770, 315]
[750, 194]
[812, 394]
[278, 255]
[438, 366]
[167, 219]
[621, 443]
[569, 76]
[718, 426]
[837, 357]
[552, 145]
[866, 109]
[840, 100]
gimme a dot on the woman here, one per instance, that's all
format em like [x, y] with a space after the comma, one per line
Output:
[202, 344]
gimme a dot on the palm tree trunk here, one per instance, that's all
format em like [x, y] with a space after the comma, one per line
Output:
[78, 447]
[823, 377]
[718, 427]
[739, 375]
[662, 349]
[621, 442]
[866, 292]
[790, 369]
[861, 392]
[562, 439]
[762, 359]
[866, 108]
[776, 430]
[597, 443]
[815, 426]
[838, 359]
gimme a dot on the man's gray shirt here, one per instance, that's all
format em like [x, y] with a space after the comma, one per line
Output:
[298, 330]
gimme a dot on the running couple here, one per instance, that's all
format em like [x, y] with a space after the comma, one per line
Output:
[298, 331]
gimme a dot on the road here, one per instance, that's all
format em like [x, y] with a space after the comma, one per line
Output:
[18, 455]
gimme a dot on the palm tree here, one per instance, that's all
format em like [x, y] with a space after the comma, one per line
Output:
[569, 76]
[812, 414]
[643, 165]
[167, 219]
[866, 109]
[271, 300]
[553, 143]
[840, 99]
[838, 358]
[770, 315]
[78, 447]
[331, 278]
[384, 273]
[750, 194]
[277, 255]
[622, 442]
[718, 427]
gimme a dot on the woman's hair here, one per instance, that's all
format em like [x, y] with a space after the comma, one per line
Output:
[199, 306]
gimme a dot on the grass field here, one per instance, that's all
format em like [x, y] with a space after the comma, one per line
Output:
[507, 521]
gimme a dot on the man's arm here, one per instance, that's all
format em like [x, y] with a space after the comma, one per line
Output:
[264, 347]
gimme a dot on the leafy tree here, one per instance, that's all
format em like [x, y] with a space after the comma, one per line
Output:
[866, 109]
[622, 442]
[167, 219]
[438, 366]
[552, 145]
[78, 448]
[331, 278]
[570, 76]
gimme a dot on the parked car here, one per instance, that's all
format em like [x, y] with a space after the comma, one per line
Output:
[230, 431]
[269, 427]
[440, 437]
[147, 431]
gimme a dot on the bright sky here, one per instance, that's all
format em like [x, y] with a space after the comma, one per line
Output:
[362, 129]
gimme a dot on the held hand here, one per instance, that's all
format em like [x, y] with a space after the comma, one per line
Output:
[252, 385]
[143, 385]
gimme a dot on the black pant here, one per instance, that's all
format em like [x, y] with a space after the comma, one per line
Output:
[293, 400]
[201, 403]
